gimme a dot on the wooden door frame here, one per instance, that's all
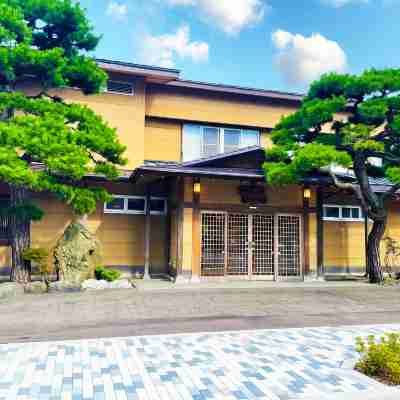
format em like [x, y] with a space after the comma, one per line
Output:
[250, 274]
[301, 247]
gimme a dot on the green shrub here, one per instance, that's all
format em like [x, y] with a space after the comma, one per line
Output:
[40, 258]
[107, 274]
[380, 359]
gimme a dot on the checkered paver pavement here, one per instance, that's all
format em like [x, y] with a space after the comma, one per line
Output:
[263, 364]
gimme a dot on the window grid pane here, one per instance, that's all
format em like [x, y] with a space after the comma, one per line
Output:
[231, 140]
[204, 141]
[332, 212]
[136, 204]
[157, 205]
[346, 212]
[250, 138]
[343, 213]
[355, 213]
[116, 204]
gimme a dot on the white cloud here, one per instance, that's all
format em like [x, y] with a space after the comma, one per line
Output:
[163, 50]
[117, 11]
[341, 3]
[303, 59]
[231, 16]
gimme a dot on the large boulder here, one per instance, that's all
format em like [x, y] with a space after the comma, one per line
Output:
[77, 254]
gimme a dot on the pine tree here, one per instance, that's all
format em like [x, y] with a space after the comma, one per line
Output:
[46, 144]
[368, 129]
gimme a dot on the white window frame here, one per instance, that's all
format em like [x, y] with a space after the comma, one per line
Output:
[122, 82]
[340, 218]
[221, 137]
[135, 212]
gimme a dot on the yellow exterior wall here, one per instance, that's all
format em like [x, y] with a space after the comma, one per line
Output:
[148, 123]
[344, 247]
[218, 191]
[162, 140]
[187, 241]
[344, 243]
[172, 102]
[121, 236]
[125, 113]
[312, 242]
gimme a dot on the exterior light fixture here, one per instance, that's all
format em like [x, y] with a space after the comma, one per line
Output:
[196, 187]
[307, 193]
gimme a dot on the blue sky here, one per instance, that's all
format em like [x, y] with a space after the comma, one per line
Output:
[272, 44]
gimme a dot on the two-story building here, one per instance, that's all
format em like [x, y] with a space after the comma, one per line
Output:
[193, 201]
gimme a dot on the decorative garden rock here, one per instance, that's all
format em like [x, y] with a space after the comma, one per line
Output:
[93, 284]
[10, 290]
[35, 288]
[77, 254]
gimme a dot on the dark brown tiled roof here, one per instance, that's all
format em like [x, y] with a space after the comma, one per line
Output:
[237, 173]
[172, 79]
[239, 90]
[202, 167]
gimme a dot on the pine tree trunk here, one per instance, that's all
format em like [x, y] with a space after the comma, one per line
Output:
[20, 232]
[374, 267]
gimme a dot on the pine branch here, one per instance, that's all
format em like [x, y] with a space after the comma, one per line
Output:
[390, 193]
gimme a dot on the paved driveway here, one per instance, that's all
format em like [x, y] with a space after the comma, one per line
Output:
[131, 313]
[265, 364]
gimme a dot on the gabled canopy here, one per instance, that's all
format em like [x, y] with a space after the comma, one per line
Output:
[242, 164]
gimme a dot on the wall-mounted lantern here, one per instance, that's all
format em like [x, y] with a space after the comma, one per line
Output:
[196, 187]
[307, 193]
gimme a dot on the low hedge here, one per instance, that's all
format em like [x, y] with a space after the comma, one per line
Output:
[380, 359]
[107, 274]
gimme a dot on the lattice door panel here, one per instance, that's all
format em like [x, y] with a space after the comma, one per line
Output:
[289, 264]
[263, 245]
[238, 244]
[213, 227]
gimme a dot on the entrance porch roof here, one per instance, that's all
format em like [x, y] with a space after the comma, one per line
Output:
[242, 164]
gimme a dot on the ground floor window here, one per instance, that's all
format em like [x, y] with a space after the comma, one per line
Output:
[121, 204]
[334, 212]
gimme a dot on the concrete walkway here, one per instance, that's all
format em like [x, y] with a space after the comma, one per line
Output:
[308, 364]
[131, 312]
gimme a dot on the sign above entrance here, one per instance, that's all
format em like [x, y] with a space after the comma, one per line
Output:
[252, 194]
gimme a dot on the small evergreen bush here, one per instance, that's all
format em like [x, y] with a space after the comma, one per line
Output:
[39, 258]
[380, 359]
[107, 274]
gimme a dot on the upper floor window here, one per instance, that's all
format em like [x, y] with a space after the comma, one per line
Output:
[343, 213]
[120, 87]
[203, 141]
